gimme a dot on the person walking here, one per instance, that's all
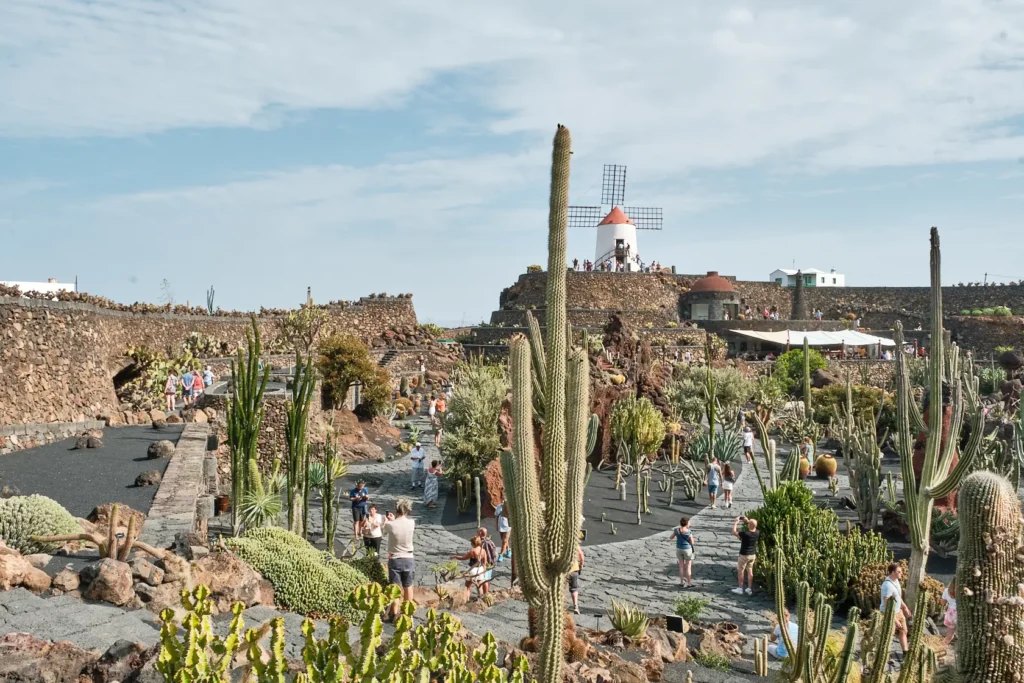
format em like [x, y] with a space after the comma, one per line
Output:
[170, 389]
[430, 484]
[574, 579]
[401, 561]
[892, 590]
[490, 550]
[713, 479]
[684, 551]
[198, 386]
[373, 529]
[418, 457]
[949, 618]
[360, 498]
[728, 481]
[748, 553]
[208, 376]
[748, 443]
[186, 388]
[504, 528]
[777, 646]
[477, 574]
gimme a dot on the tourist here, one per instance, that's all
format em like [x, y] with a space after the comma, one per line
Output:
[949, 618]
[186, 388]
[197, 386]
[477, 574]
[748, 443]
[748, 553]
[442, 405]
[892, 590]
[740, 419]
[574, 579]
[208, 376]
[501, 521]
[728, 481]
[576, 265]
[764, 313]
[373, 525]
[418, 458]
[430, 484]
[688, 356]
[170, 389]
[713, 479]
[401, 562]
[432, 409]
[490, 550]
[360, 497]
[777, 648]
[684, 551]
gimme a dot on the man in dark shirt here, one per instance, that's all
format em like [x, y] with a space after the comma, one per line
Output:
[360, 497]
[748, 553]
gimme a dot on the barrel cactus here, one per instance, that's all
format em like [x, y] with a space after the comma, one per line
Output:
[990, 572]
[825, 466]
[22, 517]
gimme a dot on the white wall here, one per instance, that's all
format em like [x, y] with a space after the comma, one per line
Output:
[607, 236]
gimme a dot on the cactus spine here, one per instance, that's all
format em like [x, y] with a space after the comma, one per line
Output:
[990, 608]
[546, 510]
[938, 477]
[476, 498]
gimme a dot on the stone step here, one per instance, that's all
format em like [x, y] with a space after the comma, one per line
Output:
[19, 601]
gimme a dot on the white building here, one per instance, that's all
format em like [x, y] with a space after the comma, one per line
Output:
[812, 277]
[51, 286]
[616, 241]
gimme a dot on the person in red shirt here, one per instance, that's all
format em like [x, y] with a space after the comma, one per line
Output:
[197, 385]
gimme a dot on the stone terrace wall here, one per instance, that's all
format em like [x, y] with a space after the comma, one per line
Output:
[591, 317]
[912, 302]
[58, 359]
[983, 335]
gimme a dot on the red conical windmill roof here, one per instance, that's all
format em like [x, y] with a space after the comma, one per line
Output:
[616, 217]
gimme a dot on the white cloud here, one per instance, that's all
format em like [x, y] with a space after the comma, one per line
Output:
[670, 85]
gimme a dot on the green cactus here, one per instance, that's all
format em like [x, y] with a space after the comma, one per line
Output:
[808, 410]
[476, 499]
[938, 476]
[296, 422]
[546, 511]
[863, 458]
[990, 610]
[210, 293]
[199, 655]
[637, 426]
[245, 418]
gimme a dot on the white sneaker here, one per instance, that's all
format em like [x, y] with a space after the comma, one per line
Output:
[714, 507]
[748, 591]
[737, 590]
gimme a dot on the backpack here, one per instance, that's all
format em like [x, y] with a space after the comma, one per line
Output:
[490, 550]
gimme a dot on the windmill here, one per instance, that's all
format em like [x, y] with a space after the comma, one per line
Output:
[616, 227]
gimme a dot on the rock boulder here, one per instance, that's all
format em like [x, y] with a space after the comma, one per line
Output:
[160, 449]
[150, 478]
[145, 571]
[112, 582]
[66, 580]
[157, 414]
[26, 658]
[229, 579]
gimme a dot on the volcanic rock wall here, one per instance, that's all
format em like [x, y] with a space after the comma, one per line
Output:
[58, 359]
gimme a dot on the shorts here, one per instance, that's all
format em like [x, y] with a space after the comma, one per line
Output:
[359, 514]
[712, 489]
[901, 621]
[748, 450]
[949, 619]
[684, 554]
[187, 393]
[746, 562]
[574, 582]
[401, 571]
[371, 543]
[727, 486]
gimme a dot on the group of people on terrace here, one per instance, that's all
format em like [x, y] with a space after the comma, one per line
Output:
[193, 384]
[617, 266]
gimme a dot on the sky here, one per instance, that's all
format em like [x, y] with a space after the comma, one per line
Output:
[261, 147]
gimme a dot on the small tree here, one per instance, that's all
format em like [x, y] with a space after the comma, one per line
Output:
[345, 361]
[302, 327]
[471, 433]
[789, 368]
[638, 429]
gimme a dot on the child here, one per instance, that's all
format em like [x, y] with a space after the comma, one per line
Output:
[728, 480]
[684, 551]
[949, 597]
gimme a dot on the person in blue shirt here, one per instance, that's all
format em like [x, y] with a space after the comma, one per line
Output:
[186, 387]
[685, 539]
[360, 497]
[777, 648]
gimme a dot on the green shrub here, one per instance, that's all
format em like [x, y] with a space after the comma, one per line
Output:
[345, 360]
[305, 579]
[990, 380]
[370, 566]
[867, 401]
[690, 608]
[822, 555]
[789, 368]
[686, 391]
[977, 311]
[672, 323]
[22, 517]
[471, 436]
[713, 660]
[629, 620]
[432, 330]
[966, 311]
[534, 269]
[728, 445]
[1002, 310]
[988, 311]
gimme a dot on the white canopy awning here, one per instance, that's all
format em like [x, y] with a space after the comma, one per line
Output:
[817, 338]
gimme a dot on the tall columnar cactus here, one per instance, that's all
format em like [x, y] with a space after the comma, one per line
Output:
[245, 417]
[546, 506]
[209, 300]
[710, 397]
[863, 458]
[990, 571]
[296, 423]
[808, 410]
[939, 477]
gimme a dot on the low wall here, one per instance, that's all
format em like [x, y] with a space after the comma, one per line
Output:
[17, 437]
[875, 373]
[58, 359]
[174, 508]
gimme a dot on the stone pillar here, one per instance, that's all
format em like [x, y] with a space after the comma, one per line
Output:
[799, 306]
[716, 310]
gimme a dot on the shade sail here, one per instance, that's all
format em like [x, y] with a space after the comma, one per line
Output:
[817, 338]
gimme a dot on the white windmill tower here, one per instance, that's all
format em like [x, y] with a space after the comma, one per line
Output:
[616, 225]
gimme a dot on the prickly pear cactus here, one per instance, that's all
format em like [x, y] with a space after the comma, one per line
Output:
[989, 577]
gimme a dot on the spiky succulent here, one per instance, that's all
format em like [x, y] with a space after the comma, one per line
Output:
[22, 517]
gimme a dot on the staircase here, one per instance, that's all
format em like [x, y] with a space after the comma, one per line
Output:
[388, 358]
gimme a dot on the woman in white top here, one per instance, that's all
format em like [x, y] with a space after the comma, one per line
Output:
[373, 525]
[503, 531]
[949, 597]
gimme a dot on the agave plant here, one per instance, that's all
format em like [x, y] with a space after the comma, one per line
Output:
[629, 620]
[727, 448]
[260, 508]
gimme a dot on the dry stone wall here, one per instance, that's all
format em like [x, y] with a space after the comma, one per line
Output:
[58, 359]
